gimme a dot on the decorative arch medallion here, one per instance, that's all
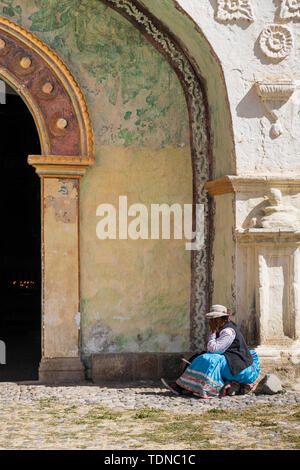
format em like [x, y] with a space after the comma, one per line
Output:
[49, 89]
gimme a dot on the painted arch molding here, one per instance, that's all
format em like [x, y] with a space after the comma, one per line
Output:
[51, 93]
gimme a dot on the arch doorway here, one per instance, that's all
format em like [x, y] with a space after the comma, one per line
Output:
[20, 319]
[60, 116]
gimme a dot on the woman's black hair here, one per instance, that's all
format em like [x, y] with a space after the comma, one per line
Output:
[225, 318]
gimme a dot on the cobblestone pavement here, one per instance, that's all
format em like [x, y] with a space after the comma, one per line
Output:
[88, 416]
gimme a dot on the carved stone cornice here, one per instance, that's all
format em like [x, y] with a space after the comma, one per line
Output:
[251, 183]
[258, 236]
[52, 166]
[219, 186]
[275, 90]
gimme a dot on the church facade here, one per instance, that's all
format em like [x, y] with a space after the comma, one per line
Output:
[159, 121]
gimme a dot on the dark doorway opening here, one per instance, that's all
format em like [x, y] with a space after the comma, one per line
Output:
[20, 267]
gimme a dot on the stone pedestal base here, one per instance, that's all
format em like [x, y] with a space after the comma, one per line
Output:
[281, 361]
[129, 367]
[59, 370]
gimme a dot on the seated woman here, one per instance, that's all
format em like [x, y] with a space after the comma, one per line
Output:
[227, 365]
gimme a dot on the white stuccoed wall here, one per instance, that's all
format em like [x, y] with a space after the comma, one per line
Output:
[243, 63]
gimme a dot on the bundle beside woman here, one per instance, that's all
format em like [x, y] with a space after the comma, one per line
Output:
[227, 365]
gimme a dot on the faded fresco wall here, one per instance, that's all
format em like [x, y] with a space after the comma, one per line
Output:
[135, 294]
[193, 22]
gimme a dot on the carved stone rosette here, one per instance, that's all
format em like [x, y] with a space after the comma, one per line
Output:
[276, 42]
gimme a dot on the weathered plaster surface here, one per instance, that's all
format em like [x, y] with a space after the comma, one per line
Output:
[224, 253]
[65, 202]
[135, 292]
[61, 290]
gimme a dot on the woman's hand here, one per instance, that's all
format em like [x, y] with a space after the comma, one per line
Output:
[213, 325]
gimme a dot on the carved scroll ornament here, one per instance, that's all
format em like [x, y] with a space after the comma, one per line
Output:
[277, 215]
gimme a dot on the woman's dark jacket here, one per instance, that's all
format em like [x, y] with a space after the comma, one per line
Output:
[237, 355]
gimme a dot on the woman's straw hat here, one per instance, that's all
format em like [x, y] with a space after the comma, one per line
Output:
[218, 311]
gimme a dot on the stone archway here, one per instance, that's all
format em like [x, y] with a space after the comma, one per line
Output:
[58, 107]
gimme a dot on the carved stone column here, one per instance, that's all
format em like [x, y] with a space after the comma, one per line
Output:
[60, 266]
[271, 283]
[267, 266]
[271, 238]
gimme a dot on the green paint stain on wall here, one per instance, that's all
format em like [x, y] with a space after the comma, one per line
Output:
[119, 71]
[127, 115]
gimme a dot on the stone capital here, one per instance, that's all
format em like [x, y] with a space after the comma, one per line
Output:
[251, 183]
[268, 237]
[53, 166]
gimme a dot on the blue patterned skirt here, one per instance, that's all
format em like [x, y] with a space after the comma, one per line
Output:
[209, 372]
